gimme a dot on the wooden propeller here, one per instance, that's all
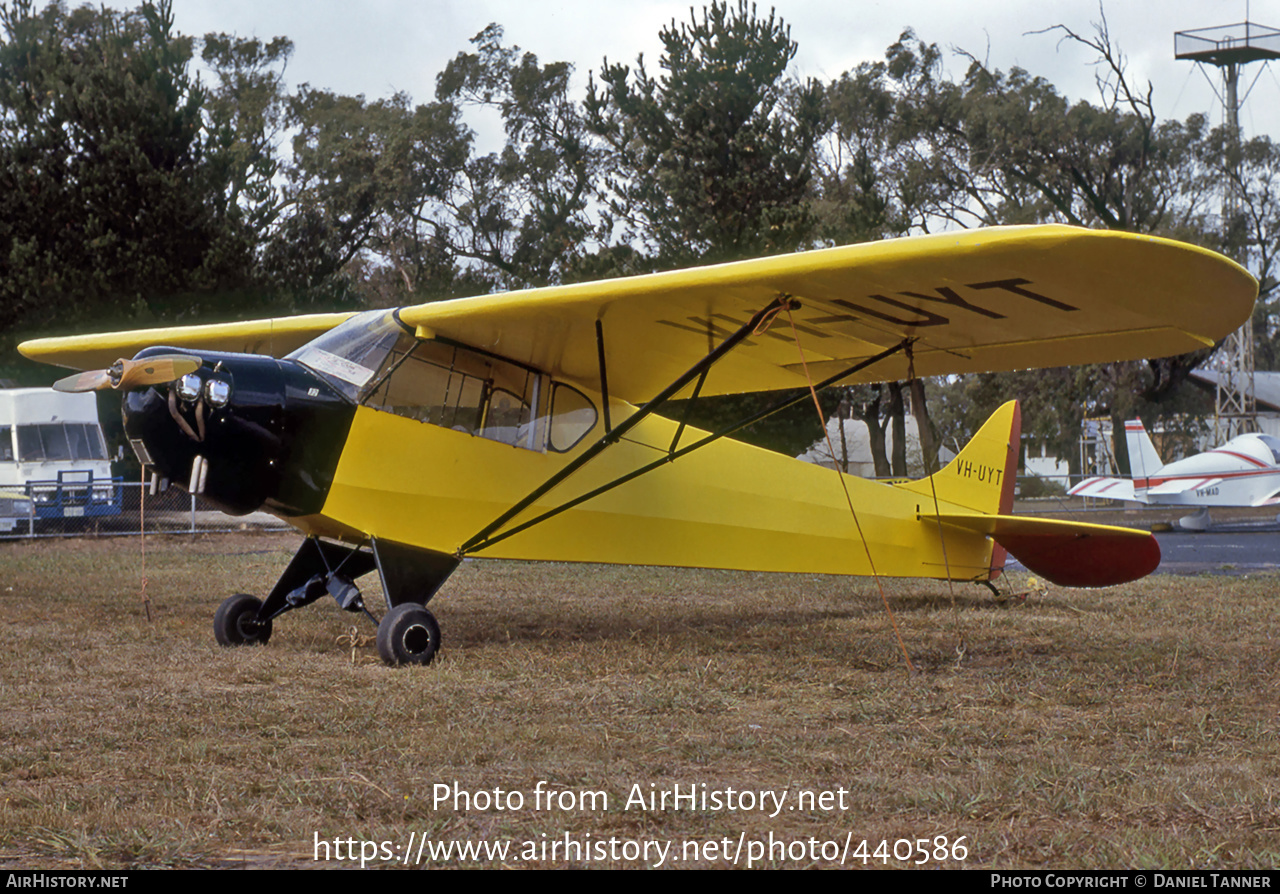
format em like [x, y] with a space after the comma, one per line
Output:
[126, 374]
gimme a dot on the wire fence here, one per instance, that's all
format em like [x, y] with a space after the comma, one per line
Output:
[172, 512]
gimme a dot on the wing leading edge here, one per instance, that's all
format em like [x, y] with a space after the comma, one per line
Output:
[275, 337]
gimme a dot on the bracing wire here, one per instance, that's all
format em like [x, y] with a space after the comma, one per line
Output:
[933, 488]
[884, 599]
[142, 538]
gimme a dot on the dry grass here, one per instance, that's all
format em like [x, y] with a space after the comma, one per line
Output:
[1129, 727]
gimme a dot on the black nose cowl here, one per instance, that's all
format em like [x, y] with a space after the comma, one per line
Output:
[247, 432]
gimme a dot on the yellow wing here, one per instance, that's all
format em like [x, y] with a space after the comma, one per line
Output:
[275, 337]
[977, 300]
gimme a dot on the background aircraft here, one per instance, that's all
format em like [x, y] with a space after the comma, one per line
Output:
[1245, 471]
[525, 425]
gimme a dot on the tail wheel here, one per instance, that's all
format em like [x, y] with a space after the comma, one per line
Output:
[236, 622]
[408, 634]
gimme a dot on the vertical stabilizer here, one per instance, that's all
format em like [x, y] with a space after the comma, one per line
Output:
[982, 476]
[1143, 459]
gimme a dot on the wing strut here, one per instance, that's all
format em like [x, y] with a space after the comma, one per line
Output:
[604, 376]
[487, 536]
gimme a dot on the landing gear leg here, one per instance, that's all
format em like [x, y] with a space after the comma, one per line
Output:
[1197, 522]
[407, 634]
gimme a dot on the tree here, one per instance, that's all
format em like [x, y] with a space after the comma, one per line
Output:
[244, 124]
[394, 197]
[1007, 148]
[362, 176]
[523, 212]
[712, 159]
[106, 209]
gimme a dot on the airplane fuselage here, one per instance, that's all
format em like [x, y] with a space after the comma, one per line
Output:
[1242, 472]
[430, 443]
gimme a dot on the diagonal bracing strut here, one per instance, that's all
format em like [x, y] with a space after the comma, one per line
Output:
[489, 536]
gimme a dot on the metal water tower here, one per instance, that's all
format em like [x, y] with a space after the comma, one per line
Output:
[1230, 47]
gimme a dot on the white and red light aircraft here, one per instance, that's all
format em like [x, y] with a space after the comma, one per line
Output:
[1244, 471]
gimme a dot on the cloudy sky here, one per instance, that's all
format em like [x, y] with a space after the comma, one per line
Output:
[378, 47]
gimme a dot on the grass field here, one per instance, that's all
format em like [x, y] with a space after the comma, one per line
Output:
[1132, 727]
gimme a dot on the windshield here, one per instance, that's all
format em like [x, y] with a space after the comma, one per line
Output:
[348, 355]
[1273, 445]
[58, 442]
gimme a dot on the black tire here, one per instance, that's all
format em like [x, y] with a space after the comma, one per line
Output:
[236, 622]
[408, 634]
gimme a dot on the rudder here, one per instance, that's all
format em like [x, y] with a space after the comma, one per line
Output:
[1144, 461]
[982, 476]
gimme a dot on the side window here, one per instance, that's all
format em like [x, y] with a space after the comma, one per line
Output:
[422, 381]
[512, 416]
[573, 415]
[506, 414]
[6, 443]
[461, 389]
[30, 450]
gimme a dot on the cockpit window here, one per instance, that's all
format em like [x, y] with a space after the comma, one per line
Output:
[1273, 444]
[377, 362]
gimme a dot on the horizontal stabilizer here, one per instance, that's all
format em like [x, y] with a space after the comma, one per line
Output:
[1104, 489]
[1070, 554]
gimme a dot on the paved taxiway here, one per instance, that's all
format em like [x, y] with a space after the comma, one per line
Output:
[1239, 541]
[1223, 549]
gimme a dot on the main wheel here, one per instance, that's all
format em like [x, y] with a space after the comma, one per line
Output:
[236, 622]
[408, 634]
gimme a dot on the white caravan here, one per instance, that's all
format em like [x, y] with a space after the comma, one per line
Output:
[52, 453]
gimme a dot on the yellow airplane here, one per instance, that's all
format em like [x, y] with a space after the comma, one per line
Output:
[525, 425]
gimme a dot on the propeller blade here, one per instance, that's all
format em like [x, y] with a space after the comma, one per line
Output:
[128, 374]
[89, 380]
[157, 370]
